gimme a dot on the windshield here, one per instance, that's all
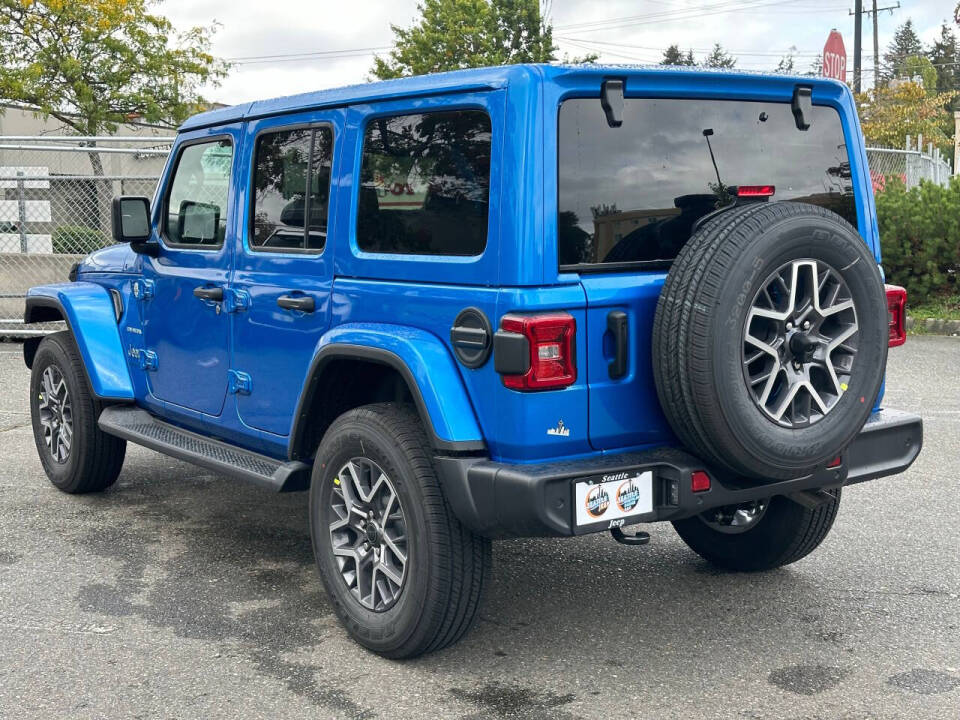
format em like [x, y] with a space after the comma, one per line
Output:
[633, 193]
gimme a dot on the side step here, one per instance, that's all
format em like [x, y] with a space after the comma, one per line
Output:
[138, 426]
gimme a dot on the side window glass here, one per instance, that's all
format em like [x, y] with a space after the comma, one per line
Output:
[292, 190]
[196, 205]
[425, 184]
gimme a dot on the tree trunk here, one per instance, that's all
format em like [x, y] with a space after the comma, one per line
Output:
[101, 215]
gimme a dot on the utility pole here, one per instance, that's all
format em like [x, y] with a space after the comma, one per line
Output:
[857, 44]
[876, 49]
[857, 12]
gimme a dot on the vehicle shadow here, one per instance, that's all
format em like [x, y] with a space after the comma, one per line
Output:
[207, 558]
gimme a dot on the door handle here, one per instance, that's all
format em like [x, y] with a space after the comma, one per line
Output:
[209, 293]
[303, 303]
[617, 324]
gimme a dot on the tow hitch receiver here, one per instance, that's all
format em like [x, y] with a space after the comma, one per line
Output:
[641, 538]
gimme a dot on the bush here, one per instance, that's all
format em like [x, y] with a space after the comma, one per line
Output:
[78, 240]
[920, 237]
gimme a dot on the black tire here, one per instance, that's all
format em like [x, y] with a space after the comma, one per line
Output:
[94, 459]
[785, 533]
[447, 564]
[698, 338]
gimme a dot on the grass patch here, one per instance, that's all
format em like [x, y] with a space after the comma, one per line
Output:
[946, 307]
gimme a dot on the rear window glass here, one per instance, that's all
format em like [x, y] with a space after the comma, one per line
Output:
[292, 183]
[425, 184]
[632, 193]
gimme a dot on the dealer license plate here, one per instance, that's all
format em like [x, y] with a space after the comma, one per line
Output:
[614, 498]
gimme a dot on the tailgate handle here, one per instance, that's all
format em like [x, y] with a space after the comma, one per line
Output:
[617, 325]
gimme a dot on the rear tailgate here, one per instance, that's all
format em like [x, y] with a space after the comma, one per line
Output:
[629, 197]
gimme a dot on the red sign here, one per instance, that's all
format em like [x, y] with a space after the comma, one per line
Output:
[835, 57]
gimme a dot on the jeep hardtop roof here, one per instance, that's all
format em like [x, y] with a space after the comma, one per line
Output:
[466, 81]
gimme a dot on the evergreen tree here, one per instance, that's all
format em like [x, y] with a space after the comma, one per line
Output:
[944, 54]
[816, 67]
[787, 65]
[906, 43]
[673, 55]
[719, 58]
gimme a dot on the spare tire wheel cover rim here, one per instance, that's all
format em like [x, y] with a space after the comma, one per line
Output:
[800, 341]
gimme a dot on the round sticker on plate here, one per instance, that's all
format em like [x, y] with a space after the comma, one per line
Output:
[597, 501]
[628, 495]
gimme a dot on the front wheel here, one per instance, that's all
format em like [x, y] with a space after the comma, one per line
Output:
[759, 535]
[403, 575]
[77, 456]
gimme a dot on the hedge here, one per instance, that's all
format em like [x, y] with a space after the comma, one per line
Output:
[77, 240]
[920, 237]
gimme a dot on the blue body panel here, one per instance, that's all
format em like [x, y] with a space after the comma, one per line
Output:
[406, 304]
[431, 365]
[88, 310]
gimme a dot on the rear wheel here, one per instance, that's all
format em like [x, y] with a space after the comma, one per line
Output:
[770, 339]
[76, 455]
[759, 535]
[403, 575]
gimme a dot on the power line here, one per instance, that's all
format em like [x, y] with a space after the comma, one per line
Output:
[679, 14]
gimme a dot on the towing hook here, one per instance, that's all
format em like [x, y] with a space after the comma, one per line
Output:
[641, 538]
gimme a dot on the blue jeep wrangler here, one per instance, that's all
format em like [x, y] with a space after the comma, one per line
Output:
[520, 301]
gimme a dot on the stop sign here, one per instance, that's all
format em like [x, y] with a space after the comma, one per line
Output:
[835, 57]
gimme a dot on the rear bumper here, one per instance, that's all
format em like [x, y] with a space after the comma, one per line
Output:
[503, 500]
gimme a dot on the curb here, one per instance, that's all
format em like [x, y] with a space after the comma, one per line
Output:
[934, 326]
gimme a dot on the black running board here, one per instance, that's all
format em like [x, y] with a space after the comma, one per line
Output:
[138, 426]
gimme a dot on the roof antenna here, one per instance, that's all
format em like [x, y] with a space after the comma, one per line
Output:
[707, 133]
[611, 98]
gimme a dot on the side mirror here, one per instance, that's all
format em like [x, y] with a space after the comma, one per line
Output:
[131, 224]
[131, 219]
[198, 222]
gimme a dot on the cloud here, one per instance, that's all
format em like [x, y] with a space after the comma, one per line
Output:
[757, 32]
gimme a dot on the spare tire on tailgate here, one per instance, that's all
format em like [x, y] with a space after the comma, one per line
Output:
[770, 339]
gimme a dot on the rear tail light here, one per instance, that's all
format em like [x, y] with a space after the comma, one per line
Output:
[755, 191]
[897, 309]
[550, 359]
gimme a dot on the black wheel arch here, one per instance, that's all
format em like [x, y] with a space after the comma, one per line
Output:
[375, 375]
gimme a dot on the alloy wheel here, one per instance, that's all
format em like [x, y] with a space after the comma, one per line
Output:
[368, 534]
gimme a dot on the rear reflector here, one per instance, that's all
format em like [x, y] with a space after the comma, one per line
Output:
[748, 191]
[699, 481]
[551, 340]
[897, 309]
[835, 463]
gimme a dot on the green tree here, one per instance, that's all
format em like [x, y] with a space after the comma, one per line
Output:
[673, 55]
[919, 69]
[787, 64]
[889, 114]
[719, 58]
[92, 64]
[457, 34]
[905, 44]
[944, 55]
[816, 67]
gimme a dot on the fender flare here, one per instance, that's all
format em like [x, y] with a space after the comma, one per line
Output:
[88, 310]
[424, 363]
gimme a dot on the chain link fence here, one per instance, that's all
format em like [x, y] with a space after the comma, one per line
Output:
[56, 193]
[910, 166]
[55, 200]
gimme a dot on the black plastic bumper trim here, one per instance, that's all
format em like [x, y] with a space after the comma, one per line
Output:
[508, 500]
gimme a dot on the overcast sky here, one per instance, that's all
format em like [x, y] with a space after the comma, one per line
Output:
[336, 41]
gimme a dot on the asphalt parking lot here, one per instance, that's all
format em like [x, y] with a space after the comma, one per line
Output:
[181, 594]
